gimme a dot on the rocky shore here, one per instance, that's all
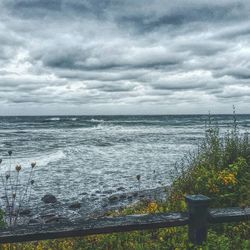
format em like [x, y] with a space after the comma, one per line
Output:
[52, 210]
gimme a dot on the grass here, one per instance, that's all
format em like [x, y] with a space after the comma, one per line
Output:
[219, 169]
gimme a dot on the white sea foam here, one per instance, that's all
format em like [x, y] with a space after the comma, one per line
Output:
[53, 119]
[44, 160]
[100, 154]
[97, 120]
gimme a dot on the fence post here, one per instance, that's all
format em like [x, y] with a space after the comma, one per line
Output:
[198, 221]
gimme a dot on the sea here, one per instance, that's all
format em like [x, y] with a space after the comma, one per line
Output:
[99, 156]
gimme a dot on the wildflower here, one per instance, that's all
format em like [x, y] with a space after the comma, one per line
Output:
[228, 178]
[152, 207]
[18, 167]
[33, 164]
[9, 152]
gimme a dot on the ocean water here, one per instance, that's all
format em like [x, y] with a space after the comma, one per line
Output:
[101, 155]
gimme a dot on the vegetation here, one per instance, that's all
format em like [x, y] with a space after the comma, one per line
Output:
[219, 169]
[17, 192]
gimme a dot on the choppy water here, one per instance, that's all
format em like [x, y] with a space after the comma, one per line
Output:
[100, 154]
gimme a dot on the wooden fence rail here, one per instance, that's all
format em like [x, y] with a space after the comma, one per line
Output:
[197, 218]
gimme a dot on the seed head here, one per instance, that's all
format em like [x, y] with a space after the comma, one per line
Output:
[1, 161]
[7, 176]
[9, 152]
[32, 182]
[14, 195]
[18, 167]
[33, 164]
[138, 177]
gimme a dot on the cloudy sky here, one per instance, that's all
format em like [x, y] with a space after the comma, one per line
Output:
[124, 56]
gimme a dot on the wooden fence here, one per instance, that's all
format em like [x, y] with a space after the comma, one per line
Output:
[198, 217]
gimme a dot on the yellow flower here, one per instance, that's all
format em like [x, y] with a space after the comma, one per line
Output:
[152, 207]
[227, 178]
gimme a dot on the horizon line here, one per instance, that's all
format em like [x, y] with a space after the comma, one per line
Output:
[57, 115]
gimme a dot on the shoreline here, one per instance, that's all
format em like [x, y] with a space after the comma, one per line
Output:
[64, 212]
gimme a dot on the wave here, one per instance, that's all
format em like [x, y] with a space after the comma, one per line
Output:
[52, 119]
[49, 158]
[96, 120]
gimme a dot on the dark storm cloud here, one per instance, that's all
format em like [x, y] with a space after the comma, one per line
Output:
[183, 15]
[99, 59]
[91, 52]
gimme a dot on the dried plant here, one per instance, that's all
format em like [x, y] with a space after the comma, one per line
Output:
[16, 193]
[138, 177]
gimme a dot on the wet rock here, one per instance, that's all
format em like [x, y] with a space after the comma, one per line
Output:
[52, 219]
[123, 196]
[34, 221]
[75, 205]
[46, 216]
[130, 197]
[84, 193]
[49, 198]
[113, 198]
[25, 212]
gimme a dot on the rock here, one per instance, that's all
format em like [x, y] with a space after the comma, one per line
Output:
[56, 219]
[75, 205]
[25, 212]
[49, 198]
[34, 221]
[130, 197]
[84, 193]
[113, 198]
[52, 219]
[46, 216]
[123, 196]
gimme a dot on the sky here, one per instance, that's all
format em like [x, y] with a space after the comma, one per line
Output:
[92, 57]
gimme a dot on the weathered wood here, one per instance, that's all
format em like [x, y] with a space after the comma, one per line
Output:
[94, 226]
[197, 219]
[234, 214]
[198, 222]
